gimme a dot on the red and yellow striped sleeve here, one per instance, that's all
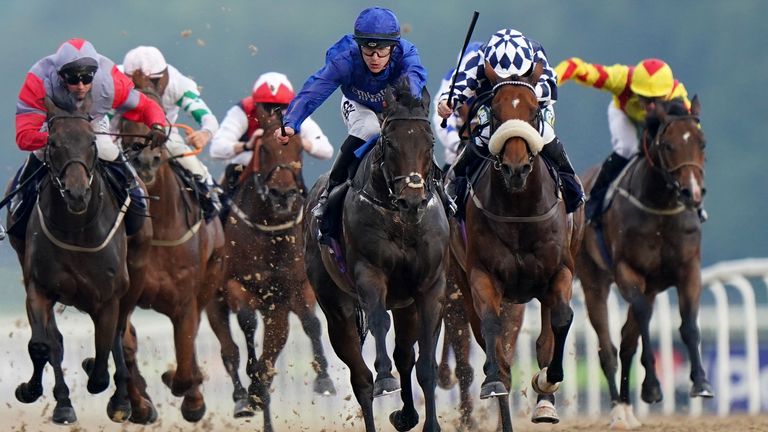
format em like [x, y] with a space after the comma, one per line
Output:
[614, 79]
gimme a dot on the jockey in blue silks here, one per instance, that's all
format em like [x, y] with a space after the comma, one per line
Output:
[363, 64]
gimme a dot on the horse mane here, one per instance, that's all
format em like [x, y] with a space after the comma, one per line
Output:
[398, 97]
[674, 107]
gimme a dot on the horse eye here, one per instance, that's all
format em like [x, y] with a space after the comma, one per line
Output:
[668, 147]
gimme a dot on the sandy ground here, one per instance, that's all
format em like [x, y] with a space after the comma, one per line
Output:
[295, 406]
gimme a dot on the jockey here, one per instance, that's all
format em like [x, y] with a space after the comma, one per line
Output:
[509, 53]
[240, 131]
[363, 64]
[636, 90]
[76, 71]
[178, 91]
[449, 136]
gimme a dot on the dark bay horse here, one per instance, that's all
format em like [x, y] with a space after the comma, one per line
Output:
[184, 270]
[395, 241]
[520, 245]
[264, 269]
[652, 240]
[75, 253]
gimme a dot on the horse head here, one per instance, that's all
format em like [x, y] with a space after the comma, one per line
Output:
[515, 141]
[405, 151]
[677, 149]
[71, 153]
[144, 159]
[277, 167]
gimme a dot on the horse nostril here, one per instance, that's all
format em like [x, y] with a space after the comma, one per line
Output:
[527, 168]
[401, 203]
[686, 193]
[703, 191]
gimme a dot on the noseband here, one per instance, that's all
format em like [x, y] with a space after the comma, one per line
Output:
[55, 173]
[495, 123]
[663, 168]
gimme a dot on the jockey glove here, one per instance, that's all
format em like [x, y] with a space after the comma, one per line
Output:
[157, 136]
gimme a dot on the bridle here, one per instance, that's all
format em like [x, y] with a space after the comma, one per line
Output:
[57, 173]
[261, 180]
[663, 168]
[412, 180]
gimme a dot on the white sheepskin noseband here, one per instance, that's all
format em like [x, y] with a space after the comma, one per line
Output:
[516, 128]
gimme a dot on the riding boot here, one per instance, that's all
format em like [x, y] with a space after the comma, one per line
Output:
[572, 190]
[208, 196]
[340, 172]
[608, 172]
[21, 205]
[330, 222]
[229, 187]
[137, 209]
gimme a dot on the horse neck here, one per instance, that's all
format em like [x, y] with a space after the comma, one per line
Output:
[647, 183]
[535, 198]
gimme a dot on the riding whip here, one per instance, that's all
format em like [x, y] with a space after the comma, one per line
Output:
[475, 14]
[279, 112]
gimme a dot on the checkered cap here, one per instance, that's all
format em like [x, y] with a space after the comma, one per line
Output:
[509, 53]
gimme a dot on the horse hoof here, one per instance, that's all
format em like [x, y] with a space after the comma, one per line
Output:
[651, 393]
[64, 415]
[96, 386]
[118, 413]
[703, 390]
[26, 393]
[149, 418]
[545, 412]
[403, 422]
[88, 365]
[385, 386]
[243, 408]
[493, 389]
[192, 415]
[622, 418]
[541, 385]
[324, 386]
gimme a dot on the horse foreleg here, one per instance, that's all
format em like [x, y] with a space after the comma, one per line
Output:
[303, 305]
[430, 308]
[275, 336]
[488, 306]
[119, 407]
[218, 317]
[39, 311]
[187, 378]
[105, 323]
[63, 413]
[142, 409]
[689, 295]
[247, 320]
[406, 321]
[372, 287]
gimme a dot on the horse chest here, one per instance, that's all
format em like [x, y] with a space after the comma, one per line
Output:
[663, 247]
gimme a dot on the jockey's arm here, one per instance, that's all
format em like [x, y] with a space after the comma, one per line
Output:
[30, 114]
[314, 140]
[188, 98]
[226, 142]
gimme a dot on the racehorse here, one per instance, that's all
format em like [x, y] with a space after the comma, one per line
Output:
[650, 239]
[264, 269]
[520, 244]
[74, 253]
[184, 270]
[395, 242]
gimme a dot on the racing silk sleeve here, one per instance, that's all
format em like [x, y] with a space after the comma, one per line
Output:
[320, 147]
[132, 104]
[413, 69]
[31, 114]
[614, 79]
[546, 87]
[232, 128]
[469, 79]
[315, 91]
[190, 101]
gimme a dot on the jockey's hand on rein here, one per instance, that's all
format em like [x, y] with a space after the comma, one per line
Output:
[157, 136]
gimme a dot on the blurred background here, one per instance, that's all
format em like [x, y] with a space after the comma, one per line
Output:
[717, 49]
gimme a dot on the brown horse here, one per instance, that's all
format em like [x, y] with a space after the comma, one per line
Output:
[650, 240]
[519, 244]
[184, 270]
[264, 269]
[75, 253]
[395, 239]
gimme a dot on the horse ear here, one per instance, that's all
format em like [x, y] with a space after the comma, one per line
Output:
[695, 106]
[491, 74]
[660, 112]
[85, 107]
[426, 99]
[51, 108]
[390, 100]
[538, 69]
[140, 80]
